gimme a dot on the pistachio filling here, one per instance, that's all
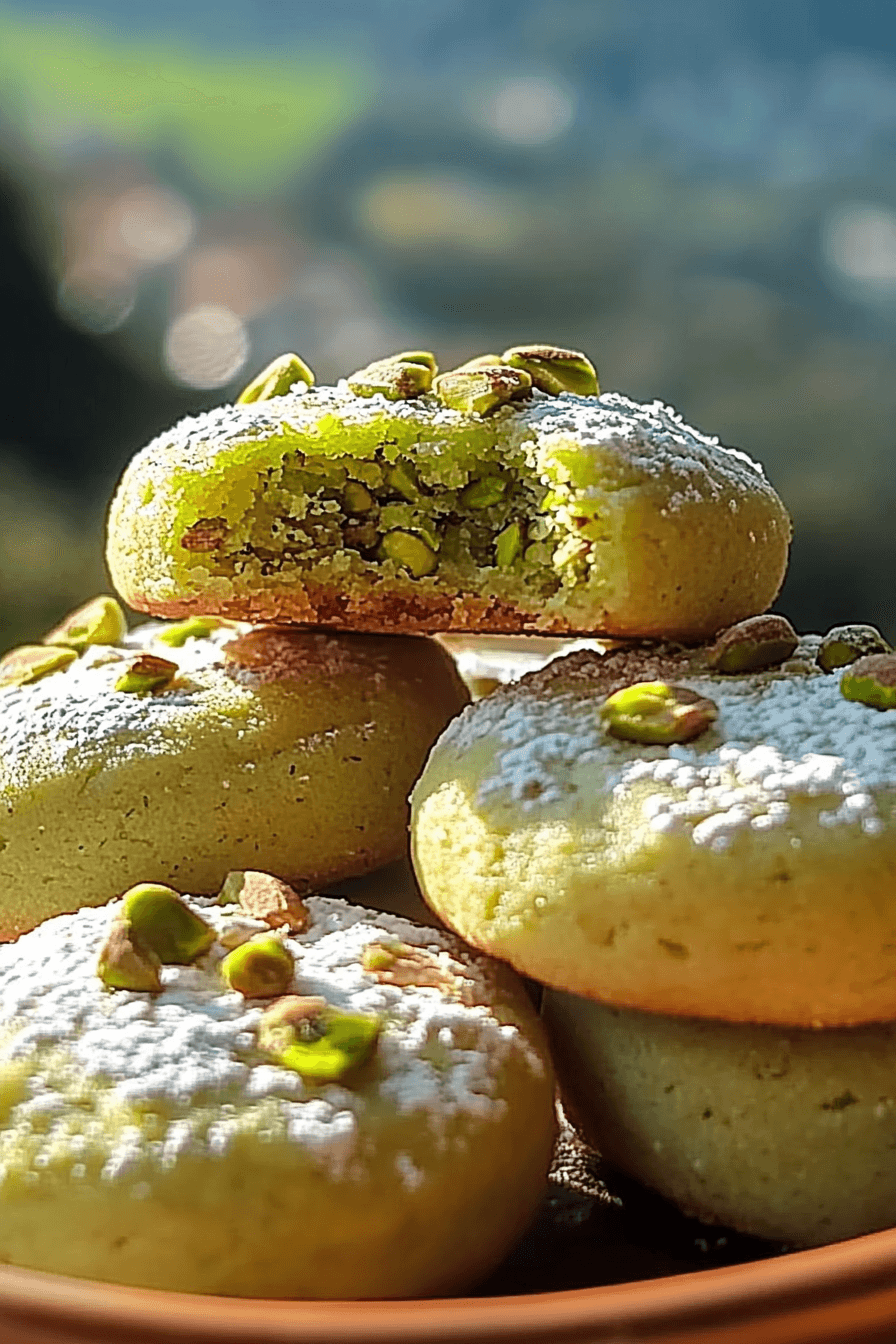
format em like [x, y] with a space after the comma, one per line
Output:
[361, 512]
[466, 507]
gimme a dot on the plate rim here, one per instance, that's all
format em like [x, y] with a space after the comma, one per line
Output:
[751, 1293]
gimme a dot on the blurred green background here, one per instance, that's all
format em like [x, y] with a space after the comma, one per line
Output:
[701, 195]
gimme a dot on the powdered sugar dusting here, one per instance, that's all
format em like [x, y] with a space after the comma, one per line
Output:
[70, 714]
[142, 1079]
[650, 438]
[779, 736]
[646, 438]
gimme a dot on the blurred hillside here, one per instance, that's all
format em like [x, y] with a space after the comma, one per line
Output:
[701, 195]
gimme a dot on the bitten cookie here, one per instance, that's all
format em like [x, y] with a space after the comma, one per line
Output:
[373, 1117]
[179, 752]
[494, 502]
[779, 1132]
[709, 843]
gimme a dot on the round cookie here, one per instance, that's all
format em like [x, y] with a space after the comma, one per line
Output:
[395, 510]
[287, 750]
[155, 1139]
[747, 874]
[780, 1132]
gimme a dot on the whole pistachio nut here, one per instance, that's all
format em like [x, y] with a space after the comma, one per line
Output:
[409, 550]
[656, 713]
[483, 493]
[126, 963]
[161, 921]
[278, 378]
[845, 643]
[100, 621]
[266, 897]
[508, 544]
[478, 391]
[871, 681]
[30, 662]
[396, 379]
[194, 627]
[749, 646]
[316, 1040]
[147, 673]
[356, 498]
[262, 968]
[555, 370]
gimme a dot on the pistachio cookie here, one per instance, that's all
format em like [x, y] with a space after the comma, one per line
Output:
[706, 832]
[179, 752]
[507, 495]
[192, 1101]
[784, 1133]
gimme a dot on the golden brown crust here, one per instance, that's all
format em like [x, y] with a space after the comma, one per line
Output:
[427, 613]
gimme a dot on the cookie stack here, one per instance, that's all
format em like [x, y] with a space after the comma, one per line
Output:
[693, 848]
[179, 1070]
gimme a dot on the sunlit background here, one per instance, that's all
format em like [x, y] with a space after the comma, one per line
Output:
[701, 194]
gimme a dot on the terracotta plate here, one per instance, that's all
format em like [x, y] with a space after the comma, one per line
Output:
[845, 1292]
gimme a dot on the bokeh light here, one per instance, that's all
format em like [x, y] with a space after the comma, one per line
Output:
[700, 196]
[206, 346]
[859, 240]
[528, 110]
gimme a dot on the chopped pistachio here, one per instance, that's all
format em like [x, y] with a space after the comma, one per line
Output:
[751, 645]
[147, 673]
[478, 362]
[231, 888]
[316, 1040]
[30, 662]
[396, 379]
[361, 536]
[409, 550]
[194, 627]
[402, 964]
[261, 968]
[401, 476]
[278, 378]
[125, 962]
[485, 492]
[555, 370]
[165, 924]
[871, 681]
[356, 498]
[100, 621]
[845, 643]
[206, 534]
[235, 934]
[380, 956]
[478, 391]
[424, 357]
[656, 713]
[508, 544]
[480, 687]
[266, 897]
